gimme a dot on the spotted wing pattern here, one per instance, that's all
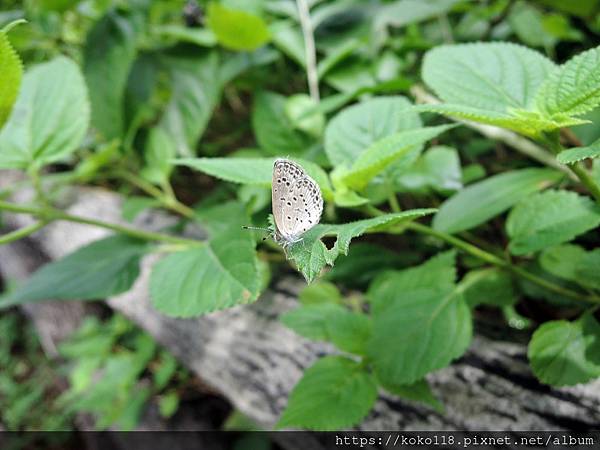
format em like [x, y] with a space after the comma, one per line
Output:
[297, 200]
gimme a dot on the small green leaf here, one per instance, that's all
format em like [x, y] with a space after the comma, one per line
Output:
[236, 29]
[311, 255]
[133, 206]
[168, 404]
[331, 322]
[422, 316]
[550, 218]
[320, 292]
[481, 201]
[419, 391]
[274, 131]
[50, 117]
[158, 155]
[108, 56]
[333, 394]
[488, 286]
[253, 171]
[10, 77]
[195, 91]
[296, 107]
[99, 270]
[400, 150]
[574, 88]
[561, 353]
[164, 370]
[357, 127]
[438, 169]
[573, 155]
[220, 274]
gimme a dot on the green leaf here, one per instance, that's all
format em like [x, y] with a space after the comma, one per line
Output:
[99, 270]
[108, 56]
[561, 353]
[220, 274]
[273, 129]
[488, 286]
[573, 155]
[331, 322]
[574, 88]
[419, 391]
[158, 153]
[333, 394]
[420, 321]
[587, 270]
[195, 91]
[50, 117]
[133, 206]
[481, 201]
[253, 171]
[573, 263]
[400, 149]
[404, 12]
[236, 29]
[311, 254]
[10, 77]
[550, 218]
[357, 127]
[494, 77]
[202, 37]
[319, 293]
[438, 169]
[168, 404]
[296, 107]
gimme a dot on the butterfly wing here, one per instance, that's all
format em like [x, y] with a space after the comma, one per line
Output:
[297, 200]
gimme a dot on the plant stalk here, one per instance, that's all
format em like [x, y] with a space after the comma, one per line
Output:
[22, 233]
[310, 50]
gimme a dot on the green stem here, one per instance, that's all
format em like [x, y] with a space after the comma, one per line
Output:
[552, 140]
[50, 214]
[502, 263]
[21, 233]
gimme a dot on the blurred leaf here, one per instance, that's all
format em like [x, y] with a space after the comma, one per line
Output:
[202, 37]
[438, 168]
[220, 274]
[483, 200]
[108, 57]
[134, 206]
[573, 155]
[573, 263]
[167, 367]
[168, 404]
[357, 127]
[10, 77]
[195, 91]
[550, 218]
[296, 107]
[574, 88]
[422, 316]
[559, 351]
[50, 117]
[527, 23]
[311, 254]
[102, 269]
[404, 12]
[419, 391]
[319, 293]
[334, 393]
[489, 287]
[158, 155]
[273, 130]
[236, 29]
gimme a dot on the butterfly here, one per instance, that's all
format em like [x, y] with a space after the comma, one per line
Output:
[297, 203]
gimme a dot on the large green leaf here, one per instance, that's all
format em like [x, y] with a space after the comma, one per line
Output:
[573, 155]
[10, 77]
[348, 331]
[550, 218]
[99, 270]
[565, 353]
[219, 274]
[237, 29]
[273, 129]
[334, 393]
[574, 88]
[420, 321]
[50, 117]
[108, 57]
[311, 254]
[494, 83]
[400, 149]
[195, 91]
[488, 286]
[481, 201]
[357, 127]
[253, 171]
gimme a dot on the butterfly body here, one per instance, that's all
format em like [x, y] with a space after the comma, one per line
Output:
[296, 200]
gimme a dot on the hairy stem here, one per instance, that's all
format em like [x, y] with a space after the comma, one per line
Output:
[310, 50]
[51, 214]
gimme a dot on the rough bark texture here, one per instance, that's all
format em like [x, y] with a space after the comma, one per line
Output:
[246, 354]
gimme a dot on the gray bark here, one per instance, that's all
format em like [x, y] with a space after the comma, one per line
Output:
[248, 356]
